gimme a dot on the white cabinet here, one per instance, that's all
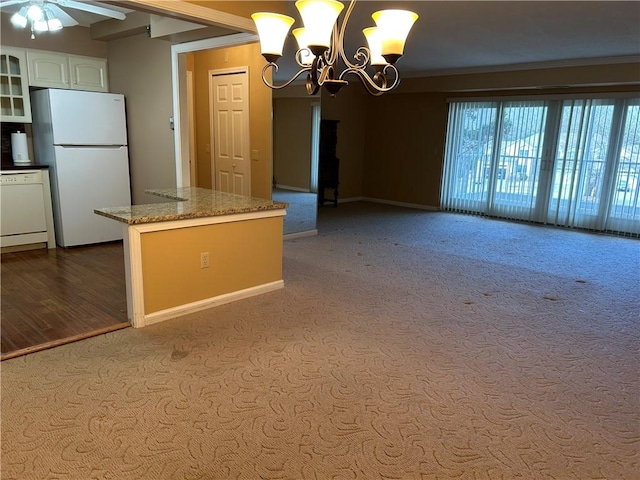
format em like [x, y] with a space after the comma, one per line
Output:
[27, 216]
[14, 89]
[88, 73]
[58, 70]
[48, 69]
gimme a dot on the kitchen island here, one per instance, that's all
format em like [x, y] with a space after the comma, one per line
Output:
[200, 249]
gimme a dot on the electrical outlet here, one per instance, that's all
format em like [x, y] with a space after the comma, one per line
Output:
[204, 260]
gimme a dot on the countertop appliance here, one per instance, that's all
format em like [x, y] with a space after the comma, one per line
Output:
[82, 136]
[26, 219]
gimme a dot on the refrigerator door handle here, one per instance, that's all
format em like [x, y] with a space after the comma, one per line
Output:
[67, 145]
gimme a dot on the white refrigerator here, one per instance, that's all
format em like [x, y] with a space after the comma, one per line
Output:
[82, 136]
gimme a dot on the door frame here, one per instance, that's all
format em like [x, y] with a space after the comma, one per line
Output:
[242, 70]
[193, 173]
[178, 78]
[316, 116]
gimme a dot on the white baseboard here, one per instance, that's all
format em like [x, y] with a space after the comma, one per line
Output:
[293, 189]
[388, 202]
[193, 307]
[293, 236]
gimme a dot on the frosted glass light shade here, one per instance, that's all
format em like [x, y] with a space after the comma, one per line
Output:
[303, 44]
[19, 19]
[35, 13]
[319, 17]
[374, 40]
[394, 26]
[40, 26]
[272, 29]
[54, 24]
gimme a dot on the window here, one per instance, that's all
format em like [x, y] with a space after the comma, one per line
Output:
[573, 163]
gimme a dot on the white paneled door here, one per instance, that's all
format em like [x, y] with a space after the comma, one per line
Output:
[230, 133]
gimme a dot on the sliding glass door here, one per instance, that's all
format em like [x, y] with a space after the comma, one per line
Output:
[469, 154]
[572, 163]
[515, 174]
[623, 214]
[494, 158]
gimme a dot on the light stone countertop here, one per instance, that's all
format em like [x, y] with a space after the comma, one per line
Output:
[188, 202]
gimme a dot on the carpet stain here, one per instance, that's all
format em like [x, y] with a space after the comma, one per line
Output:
[178, 354]
[553, 299]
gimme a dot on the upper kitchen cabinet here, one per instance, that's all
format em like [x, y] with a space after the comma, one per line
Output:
[48, 69]
[15, 105]
[88, 73]
[58, 70]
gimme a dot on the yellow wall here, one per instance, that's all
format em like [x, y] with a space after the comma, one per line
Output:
[292, 141]
[404, 147]
[260, 113]
[592, 77]
[147, 89]
[242, 255]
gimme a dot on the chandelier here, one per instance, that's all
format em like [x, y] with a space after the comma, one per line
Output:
[321, 46]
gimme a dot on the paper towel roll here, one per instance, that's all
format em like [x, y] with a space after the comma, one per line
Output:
[19, 149]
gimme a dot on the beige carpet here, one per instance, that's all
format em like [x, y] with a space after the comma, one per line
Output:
[405, 345]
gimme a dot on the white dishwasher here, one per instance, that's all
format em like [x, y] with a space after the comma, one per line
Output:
[26, 217]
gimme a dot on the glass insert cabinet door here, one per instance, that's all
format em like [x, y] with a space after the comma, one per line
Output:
[15, 105]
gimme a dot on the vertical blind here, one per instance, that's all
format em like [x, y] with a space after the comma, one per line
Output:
[573, 163]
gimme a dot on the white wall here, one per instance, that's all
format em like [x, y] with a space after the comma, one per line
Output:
[140, 68]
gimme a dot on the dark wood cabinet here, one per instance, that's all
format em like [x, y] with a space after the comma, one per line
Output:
[329, 163]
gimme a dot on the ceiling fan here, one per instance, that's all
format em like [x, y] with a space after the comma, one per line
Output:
[46, 15]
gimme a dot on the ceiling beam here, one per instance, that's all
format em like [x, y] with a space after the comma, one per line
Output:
[192, 13]
[107, 30]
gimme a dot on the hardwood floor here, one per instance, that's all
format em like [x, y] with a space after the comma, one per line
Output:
[52, 297]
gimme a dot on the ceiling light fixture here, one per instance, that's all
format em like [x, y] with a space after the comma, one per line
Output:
[321, 46]
[46, 15]
[38, 16]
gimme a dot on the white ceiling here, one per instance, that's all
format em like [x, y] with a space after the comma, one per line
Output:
[456, 36]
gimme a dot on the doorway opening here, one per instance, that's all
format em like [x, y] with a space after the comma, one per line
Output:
[296, 126]
[183, 152]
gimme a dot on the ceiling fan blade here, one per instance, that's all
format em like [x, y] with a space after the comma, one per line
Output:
[87, 7]
[8, 3]
[66, 19]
